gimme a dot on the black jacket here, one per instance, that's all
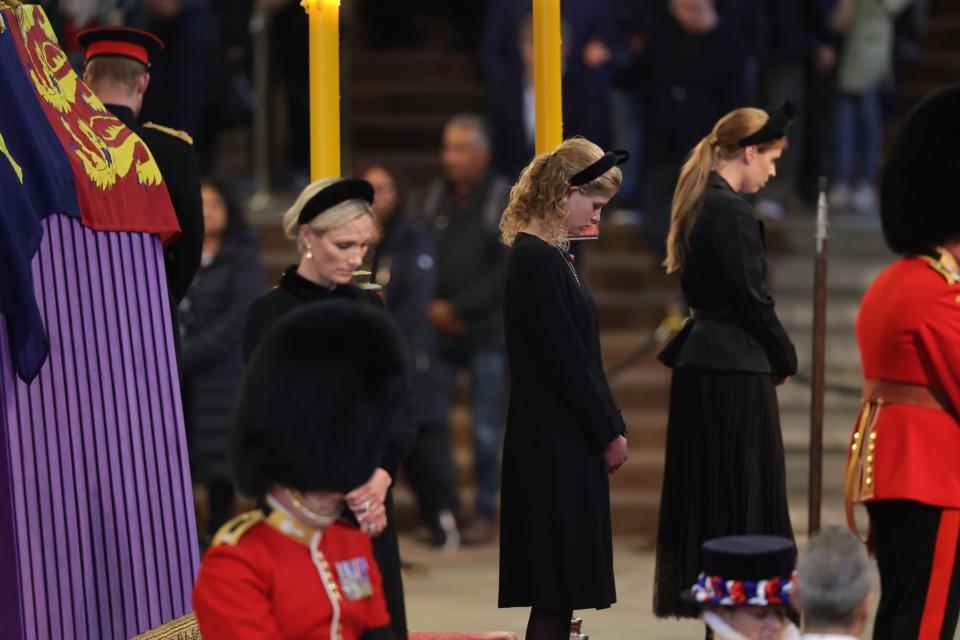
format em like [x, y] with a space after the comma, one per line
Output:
[211, 319]
[292, 291]
[470, 261]
[178, 164]
[687, 82]
[404, 265]
[734, 326]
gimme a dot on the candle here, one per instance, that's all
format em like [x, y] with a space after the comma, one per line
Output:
[324, 18]
[547, 74]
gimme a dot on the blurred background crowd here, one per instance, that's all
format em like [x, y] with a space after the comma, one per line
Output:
[438, 114]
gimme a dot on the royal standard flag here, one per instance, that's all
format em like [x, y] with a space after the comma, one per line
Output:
[61, 152]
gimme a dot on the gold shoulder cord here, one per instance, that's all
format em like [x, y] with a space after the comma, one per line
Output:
[232, 531]
[176, 133]
[946, 265]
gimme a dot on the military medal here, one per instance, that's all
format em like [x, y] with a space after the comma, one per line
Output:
[354, 577]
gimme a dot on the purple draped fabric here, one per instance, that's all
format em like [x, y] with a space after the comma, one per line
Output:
[96, 510]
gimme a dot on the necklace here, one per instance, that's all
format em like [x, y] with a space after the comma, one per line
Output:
[573, 270]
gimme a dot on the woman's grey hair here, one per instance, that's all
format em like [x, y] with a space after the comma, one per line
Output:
[834, 575]
[333, 217]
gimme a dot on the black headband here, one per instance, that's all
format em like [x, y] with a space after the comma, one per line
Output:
[774, 128]
[609, 160]
[331, 196]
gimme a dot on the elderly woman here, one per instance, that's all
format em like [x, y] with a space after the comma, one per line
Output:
[332, 224]
[308, 431]
[564, 432]
[744, 588]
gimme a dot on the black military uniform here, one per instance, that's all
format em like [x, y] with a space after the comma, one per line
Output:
[172, 149]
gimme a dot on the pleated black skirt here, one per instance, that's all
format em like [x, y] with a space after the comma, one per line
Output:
[723, 475]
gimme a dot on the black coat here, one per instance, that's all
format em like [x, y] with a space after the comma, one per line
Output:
[178, 164]
[404, 264]
[292, 291]
[555, 533]
[212, 315]
[687, 82]
[469, 261]
[734, 326]
[587, 100]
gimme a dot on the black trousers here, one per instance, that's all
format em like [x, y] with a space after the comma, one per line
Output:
[916, 547]
[431, 472]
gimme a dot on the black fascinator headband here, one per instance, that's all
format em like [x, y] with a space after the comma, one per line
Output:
[608, 161]
[775, 128]
[329, 197]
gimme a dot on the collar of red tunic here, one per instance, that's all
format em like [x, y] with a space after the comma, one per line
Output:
[282, 522]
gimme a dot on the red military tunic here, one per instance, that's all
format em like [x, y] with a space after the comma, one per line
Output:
[908, 330]
[263, 580]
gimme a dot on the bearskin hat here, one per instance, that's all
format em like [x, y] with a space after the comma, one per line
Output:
[919, 179]
[319, 399]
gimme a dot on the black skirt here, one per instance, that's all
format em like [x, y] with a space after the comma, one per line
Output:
[724, 474]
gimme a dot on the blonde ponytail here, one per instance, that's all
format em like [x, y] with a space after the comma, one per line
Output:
[721, 144]
[686, 200]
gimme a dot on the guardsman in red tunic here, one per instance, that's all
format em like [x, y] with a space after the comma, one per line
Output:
[275, 577]
[309, 428]
[905, 448]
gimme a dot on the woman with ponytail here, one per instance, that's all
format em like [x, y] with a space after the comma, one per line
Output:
[564, 433]
[724, 471]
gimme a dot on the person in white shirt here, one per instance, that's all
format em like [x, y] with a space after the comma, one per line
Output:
[835, 578]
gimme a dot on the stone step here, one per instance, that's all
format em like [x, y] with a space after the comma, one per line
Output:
[794, 275]
[414, 167]
[442, 67]
[937, 66]
[393, 98]
[850, 235]
[407, 131]
[632, 309]
[943, 30]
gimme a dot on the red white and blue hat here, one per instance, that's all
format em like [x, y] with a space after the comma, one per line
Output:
[742, 571]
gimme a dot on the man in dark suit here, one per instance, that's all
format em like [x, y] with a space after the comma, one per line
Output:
[118, 72]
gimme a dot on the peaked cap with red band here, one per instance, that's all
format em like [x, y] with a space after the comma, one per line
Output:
[135, 44]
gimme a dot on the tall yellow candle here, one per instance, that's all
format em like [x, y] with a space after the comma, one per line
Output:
[547, 74]
[324, 18]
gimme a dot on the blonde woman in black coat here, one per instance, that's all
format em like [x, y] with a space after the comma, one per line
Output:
[724, 472]
[564, 433]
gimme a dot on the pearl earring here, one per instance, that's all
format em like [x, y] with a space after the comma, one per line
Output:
[309, 254]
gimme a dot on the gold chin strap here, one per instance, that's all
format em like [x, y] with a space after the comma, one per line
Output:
[859, 477]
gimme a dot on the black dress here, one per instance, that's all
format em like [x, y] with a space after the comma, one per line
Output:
[292, 291]
[555, 535]
[724, 471]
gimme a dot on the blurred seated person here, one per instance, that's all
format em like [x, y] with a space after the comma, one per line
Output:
[211, 328]
[404, 265]
[834, 580]
[744, 589]
[309, 430]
